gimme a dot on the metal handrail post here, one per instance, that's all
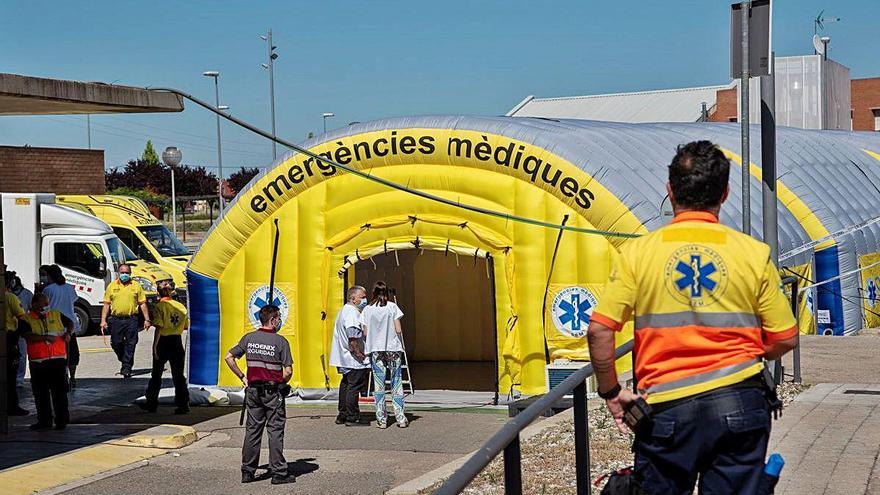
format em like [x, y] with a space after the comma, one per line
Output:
[581, 439]
[796, 353]
[512, 468]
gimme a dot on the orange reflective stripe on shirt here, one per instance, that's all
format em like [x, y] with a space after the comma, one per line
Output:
[704, 299]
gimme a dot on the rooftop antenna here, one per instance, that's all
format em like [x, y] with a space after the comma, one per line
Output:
[819, 24]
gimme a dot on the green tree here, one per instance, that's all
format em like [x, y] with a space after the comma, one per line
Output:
[150, 155]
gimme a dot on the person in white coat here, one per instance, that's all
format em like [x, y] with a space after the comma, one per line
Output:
[384, 345]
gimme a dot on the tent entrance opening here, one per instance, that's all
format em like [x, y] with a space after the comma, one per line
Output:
[449, 315]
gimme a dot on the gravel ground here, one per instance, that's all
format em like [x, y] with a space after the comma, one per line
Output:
[548, 460]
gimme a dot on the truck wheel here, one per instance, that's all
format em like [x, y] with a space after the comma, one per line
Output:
[84, 322]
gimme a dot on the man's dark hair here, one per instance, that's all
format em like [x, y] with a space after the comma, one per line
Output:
[698, 175]
[268, 312]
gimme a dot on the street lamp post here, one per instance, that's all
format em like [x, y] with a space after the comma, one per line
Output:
[172, 156]
[326, 115]
[216, 75]
[270, 66]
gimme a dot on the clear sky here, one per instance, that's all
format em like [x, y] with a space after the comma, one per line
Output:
[368, 60]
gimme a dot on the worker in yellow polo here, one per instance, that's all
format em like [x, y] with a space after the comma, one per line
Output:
[13, 312]
[170, 320]
[708, 308]
[122, 300]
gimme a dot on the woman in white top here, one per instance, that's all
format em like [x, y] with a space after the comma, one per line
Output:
[384, 345]
[62, 297]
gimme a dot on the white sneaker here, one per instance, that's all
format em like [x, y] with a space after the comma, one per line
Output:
[402, 423]
[382, 424]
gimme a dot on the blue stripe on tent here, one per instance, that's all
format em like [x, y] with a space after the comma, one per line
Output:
[828, 296]
[204, 331]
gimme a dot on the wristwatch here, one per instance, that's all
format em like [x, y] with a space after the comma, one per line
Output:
[611, 394]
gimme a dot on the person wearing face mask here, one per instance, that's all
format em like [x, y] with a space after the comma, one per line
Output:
[121, 302]
[170, 320]
[385, 348]
[14, 312]
[347, 354]
[269, 367]
[24, 296]
[62, 296]
[47, 332]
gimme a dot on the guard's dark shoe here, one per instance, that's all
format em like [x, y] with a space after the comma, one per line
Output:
[18, 412]
[181, 410]
[40, 426]
[357, 423]
[126, 375]
[148, 407]
[340, 420]
[247, 477]
[283, 480]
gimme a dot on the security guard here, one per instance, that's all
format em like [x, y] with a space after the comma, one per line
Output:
[170, 320]
[13, 313]
[122, 299]
[708, 307]
[47, 332]
[269, 367]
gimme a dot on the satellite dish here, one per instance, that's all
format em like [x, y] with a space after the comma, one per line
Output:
[818, 45]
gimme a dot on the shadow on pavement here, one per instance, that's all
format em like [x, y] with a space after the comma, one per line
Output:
[297, 468]
[101, 410]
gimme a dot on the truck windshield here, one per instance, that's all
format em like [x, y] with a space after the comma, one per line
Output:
[119, 252]
[163, 240]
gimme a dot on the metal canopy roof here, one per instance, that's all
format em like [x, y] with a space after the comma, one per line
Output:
[668, 105]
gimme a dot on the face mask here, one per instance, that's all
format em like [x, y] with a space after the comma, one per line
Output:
[44, 279]
[363, 304]
[278, 324]
[125, 278]
[44, 310]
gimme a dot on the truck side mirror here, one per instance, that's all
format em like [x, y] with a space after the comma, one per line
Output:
[102, 266]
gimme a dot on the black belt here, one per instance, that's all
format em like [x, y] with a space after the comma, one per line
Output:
[124, 317]
[753, 381]
[265, 387]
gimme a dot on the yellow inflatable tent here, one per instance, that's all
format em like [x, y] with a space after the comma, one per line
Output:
[488, 299]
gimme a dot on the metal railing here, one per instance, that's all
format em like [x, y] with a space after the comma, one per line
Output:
[507, 438]
[778, 371]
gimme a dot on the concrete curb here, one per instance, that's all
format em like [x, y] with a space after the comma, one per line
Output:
[162, 437]
[429, 479]
[56, 472]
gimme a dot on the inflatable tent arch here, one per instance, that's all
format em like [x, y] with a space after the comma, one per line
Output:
[606, 176]
[327, 218]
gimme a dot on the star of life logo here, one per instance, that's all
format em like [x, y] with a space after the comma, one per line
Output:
[260, 297]
[872, 291]
[571, 310]
[696, 275]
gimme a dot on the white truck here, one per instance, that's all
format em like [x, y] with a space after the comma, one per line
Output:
[36, 231]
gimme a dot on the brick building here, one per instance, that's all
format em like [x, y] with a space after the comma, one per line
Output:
[57, 170]
[864, 100]
[866, 104]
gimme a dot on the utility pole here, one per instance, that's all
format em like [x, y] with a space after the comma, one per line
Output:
[270, 66]
[768, 161]
[744, 119]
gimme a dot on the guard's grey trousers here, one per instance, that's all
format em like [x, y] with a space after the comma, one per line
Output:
[265, 409]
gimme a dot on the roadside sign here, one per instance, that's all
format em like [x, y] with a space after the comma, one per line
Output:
[760, 36]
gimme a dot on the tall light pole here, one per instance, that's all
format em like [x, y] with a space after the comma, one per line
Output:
[172, 156]
[216, 75]
[327, 115]
[270, 66]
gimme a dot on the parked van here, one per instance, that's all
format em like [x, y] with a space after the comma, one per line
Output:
[37, 231]
[132, 221]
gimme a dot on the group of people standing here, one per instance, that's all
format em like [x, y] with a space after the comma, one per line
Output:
[367, 336]
[45, 336]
